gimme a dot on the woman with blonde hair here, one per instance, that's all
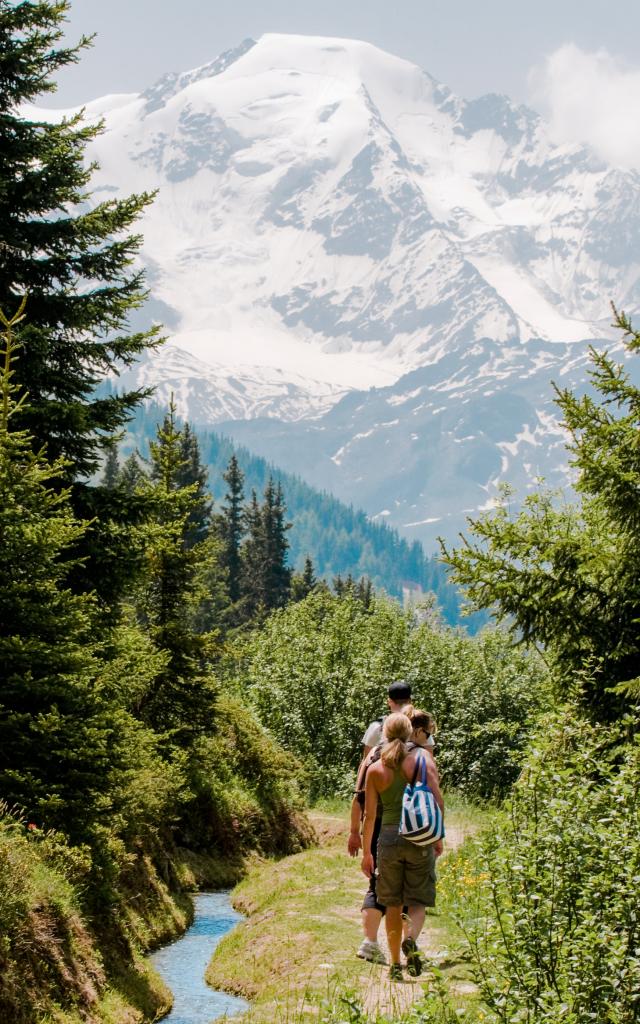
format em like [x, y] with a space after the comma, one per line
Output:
[406, 872]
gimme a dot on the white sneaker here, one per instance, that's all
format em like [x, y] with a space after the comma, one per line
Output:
[371, 951]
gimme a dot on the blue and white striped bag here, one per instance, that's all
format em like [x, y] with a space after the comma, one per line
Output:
[421, 821]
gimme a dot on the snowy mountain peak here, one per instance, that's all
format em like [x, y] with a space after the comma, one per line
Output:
[173, 82]
[328, 212]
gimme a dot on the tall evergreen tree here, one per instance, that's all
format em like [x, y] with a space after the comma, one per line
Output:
[308, 575]
[303, 583]
[275, 527]
[213, 613]
[567, 578]
[364, 591]
[57, 732]
[194, 473]
[252, 553]
[131, 475]
[178, 703]
[111, 474]
[230, 525]
[73, 258]
[266, 577]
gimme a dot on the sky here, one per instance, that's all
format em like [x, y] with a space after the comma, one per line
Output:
[576, 61]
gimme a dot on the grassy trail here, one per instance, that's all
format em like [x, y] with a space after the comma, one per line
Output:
[296, 950]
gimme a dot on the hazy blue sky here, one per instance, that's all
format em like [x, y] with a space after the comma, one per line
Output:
[474, 46]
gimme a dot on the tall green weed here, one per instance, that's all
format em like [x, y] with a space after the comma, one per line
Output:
[550, 906]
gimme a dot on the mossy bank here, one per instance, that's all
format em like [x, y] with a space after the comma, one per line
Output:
[77, 921]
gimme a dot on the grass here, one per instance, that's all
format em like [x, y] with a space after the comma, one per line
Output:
[294, 956]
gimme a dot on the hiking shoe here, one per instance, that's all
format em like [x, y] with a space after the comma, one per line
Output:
[370, 950]
[395, 972]
[413, 955]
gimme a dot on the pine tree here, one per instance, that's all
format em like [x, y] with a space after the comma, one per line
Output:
[308, 575]
[179, 702]
[194, 473]
[57, 732]
[278, 575]
[567, 577]
[364, 591]
[230, 525]
[111, 475]
[303, 583]
[253, 554]
[73, 258]
[212, 613]
[266, 577]
[131, 475]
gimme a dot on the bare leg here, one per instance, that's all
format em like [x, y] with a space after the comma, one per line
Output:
[393, 922]
[415, 914]
[371, 919]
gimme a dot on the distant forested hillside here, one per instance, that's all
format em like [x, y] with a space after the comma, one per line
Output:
[339, 539]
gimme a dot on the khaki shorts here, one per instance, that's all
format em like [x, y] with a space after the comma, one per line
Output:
[406, 871]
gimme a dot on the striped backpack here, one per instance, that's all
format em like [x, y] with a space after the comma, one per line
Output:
[421, 821]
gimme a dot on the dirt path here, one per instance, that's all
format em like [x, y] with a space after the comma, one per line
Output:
[375, 992]
[296, 950]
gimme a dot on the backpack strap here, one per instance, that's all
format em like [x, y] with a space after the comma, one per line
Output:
[421, 767]
[372, 757]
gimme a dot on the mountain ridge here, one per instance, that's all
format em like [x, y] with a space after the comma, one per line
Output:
[330, 213]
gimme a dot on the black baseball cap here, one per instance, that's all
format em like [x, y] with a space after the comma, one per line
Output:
[399, 690]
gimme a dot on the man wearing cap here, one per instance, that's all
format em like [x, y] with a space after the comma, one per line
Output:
[398, 698]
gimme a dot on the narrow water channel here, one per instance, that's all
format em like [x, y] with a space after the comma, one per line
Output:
[182, 963]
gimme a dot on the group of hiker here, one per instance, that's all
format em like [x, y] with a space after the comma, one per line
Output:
[398, 750]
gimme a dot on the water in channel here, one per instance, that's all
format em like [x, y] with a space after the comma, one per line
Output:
[182, 963]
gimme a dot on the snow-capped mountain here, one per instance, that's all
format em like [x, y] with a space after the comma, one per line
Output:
[208, 393]
[327, 212]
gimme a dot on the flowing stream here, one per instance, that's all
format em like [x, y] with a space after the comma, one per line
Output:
[182, 963]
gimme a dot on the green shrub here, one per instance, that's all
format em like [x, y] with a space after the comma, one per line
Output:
[486, 696]
[554, 925]
[318, 671]
[245, 790]
[317, 674]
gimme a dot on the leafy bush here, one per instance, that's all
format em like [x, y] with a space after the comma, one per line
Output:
[244, 790]
[554, 925]
[486, 696]
[318, 673]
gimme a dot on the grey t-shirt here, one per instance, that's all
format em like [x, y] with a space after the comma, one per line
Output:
[373, 735]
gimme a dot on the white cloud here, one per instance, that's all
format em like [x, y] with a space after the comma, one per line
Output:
[592, 98]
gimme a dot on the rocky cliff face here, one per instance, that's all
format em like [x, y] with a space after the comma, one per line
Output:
[370, 280]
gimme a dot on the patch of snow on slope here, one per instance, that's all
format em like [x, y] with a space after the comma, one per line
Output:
[538, 316]
[206, 393]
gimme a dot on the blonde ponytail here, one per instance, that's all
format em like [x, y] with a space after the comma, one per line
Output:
[396, 731]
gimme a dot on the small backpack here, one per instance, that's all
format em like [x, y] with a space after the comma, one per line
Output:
[421, 821]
